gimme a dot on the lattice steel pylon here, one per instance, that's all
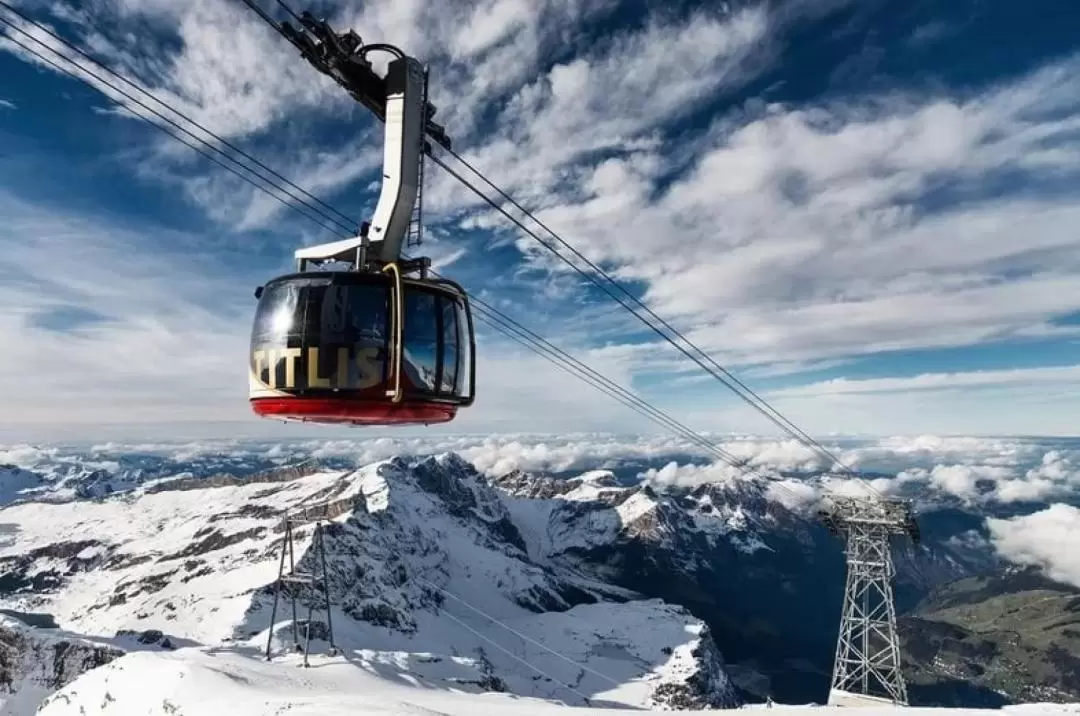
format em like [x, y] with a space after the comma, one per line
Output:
[292, 581]
[867, 666]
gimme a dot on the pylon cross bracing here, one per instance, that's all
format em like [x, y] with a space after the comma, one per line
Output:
[867, 667]
[293, 581]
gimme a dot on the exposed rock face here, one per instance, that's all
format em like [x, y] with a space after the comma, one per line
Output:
[708, 686]
[34, 663]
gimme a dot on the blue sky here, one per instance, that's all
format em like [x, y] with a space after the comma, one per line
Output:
[866, 209]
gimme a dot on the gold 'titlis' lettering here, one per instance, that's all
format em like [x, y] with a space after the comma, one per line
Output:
[271, 365]
[369, 366]
[313, 378]
[342, 367]
[290, 355]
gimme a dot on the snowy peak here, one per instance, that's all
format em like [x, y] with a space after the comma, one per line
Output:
[459, 488]
[429, 574]
[593, 511]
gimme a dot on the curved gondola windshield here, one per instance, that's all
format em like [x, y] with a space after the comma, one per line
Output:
[315, 334]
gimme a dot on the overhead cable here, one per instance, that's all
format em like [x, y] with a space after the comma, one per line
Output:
[716, 370]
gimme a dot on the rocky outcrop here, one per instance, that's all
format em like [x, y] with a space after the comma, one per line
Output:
[35, 662]
[706, 686]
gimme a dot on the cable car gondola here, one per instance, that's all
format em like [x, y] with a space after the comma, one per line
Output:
[379, 342]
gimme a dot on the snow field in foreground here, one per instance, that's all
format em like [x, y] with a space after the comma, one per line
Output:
[192, 682]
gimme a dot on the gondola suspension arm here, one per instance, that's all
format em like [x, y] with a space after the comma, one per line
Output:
[398, 99]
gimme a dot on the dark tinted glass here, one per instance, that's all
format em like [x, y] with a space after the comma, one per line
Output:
[278, 318]
[314, 334]
[451, 345]
[420, 361]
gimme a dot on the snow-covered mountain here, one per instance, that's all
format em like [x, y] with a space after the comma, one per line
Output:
[752, 565]
[766, 577]
[430, 577]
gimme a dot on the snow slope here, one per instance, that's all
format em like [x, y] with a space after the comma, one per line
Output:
[429, 577]
[190, 682]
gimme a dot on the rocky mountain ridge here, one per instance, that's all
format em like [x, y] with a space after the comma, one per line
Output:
[428, 572]
[766, 577]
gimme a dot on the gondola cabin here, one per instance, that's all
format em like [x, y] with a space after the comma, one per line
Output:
[327, 347]
[381, 342]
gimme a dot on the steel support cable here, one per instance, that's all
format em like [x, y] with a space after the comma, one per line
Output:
[178, 138]
[289, 10]
[761, 404]
[537, 344]
[574, 366]
[543, 347]
[768, 411]
[531, 341]
[517, 633]
[270, 20]
[352, 222]
[614, 391]
[515, 657]
[345, 226]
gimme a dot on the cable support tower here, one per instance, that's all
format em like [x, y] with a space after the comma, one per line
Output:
[867, 667]
[294, 582]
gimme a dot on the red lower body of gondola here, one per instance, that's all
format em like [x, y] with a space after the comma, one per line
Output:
[353, 412]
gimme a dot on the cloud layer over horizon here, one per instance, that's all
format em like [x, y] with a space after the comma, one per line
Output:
[1035, 483]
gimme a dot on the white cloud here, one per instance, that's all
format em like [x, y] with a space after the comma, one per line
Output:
[7, 104]
[1044, 539]
[104, 330]
[979, 472]
[1035, 408]
[801, 235]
